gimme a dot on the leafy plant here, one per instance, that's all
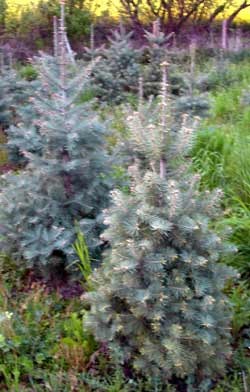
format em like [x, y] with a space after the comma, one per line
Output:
[41, 333]
[82, 252]
[28, 72]
[240, 298]
[233, 383]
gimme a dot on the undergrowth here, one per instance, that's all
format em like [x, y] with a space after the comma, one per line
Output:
[222, 157]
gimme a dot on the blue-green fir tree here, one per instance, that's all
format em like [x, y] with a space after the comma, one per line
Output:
[15, 109]
[157, 298]
[192, 99]
[117, 72]
[14, 92]
[66, 181]
[21, 130]
[92, 52]
[156, 50]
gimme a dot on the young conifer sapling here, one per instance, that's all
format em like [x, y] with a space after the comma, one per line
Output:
[158, 297]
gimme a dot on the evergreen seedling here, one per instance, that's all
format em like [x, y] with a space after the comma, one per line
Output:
[157, 53]
[92, 52]
[117, 73]
[15, 108]
[192, 99]
[14, 92]
[158, 295]
[66, 181]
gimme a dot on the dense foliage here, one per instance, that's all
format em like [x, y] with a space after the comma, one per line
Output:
[14, 95]
[117, 72]
[158, 297]
[66, 178]
[156, 53]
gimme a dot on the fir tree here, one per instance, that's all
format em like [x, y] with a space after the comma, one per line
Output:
[24, 137]
[15, 109]
[158, 297]
[92, 52]
[117, 73]
[14, 92]
[157, 53]
[22, 132]
[65, 181]
[192, 99]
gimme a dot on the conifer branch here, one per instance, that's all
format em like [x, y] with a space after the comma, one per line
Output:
[165, 118]
[192, 51]
[92, 40]
[156, 27]
[140, 94]
[55, 36]
[65, 154]
[69, 50]
[62, 45]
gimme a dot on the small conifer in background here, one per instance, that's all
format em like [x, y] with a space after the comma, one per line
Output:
[158, 297]
[15, 108]
[156, 50]
[118, 71]
[14, 93]
[65, 181]
[192, 99]
[23, 132]
[92, 52]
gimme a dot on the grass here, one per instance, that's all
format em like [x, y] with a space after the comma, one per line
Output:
[3, 152]
[44, 346]
[41, 335]
[222, 156]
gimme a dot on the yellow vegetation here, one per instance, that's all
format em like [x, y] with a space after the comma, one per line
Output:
[96, 6]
